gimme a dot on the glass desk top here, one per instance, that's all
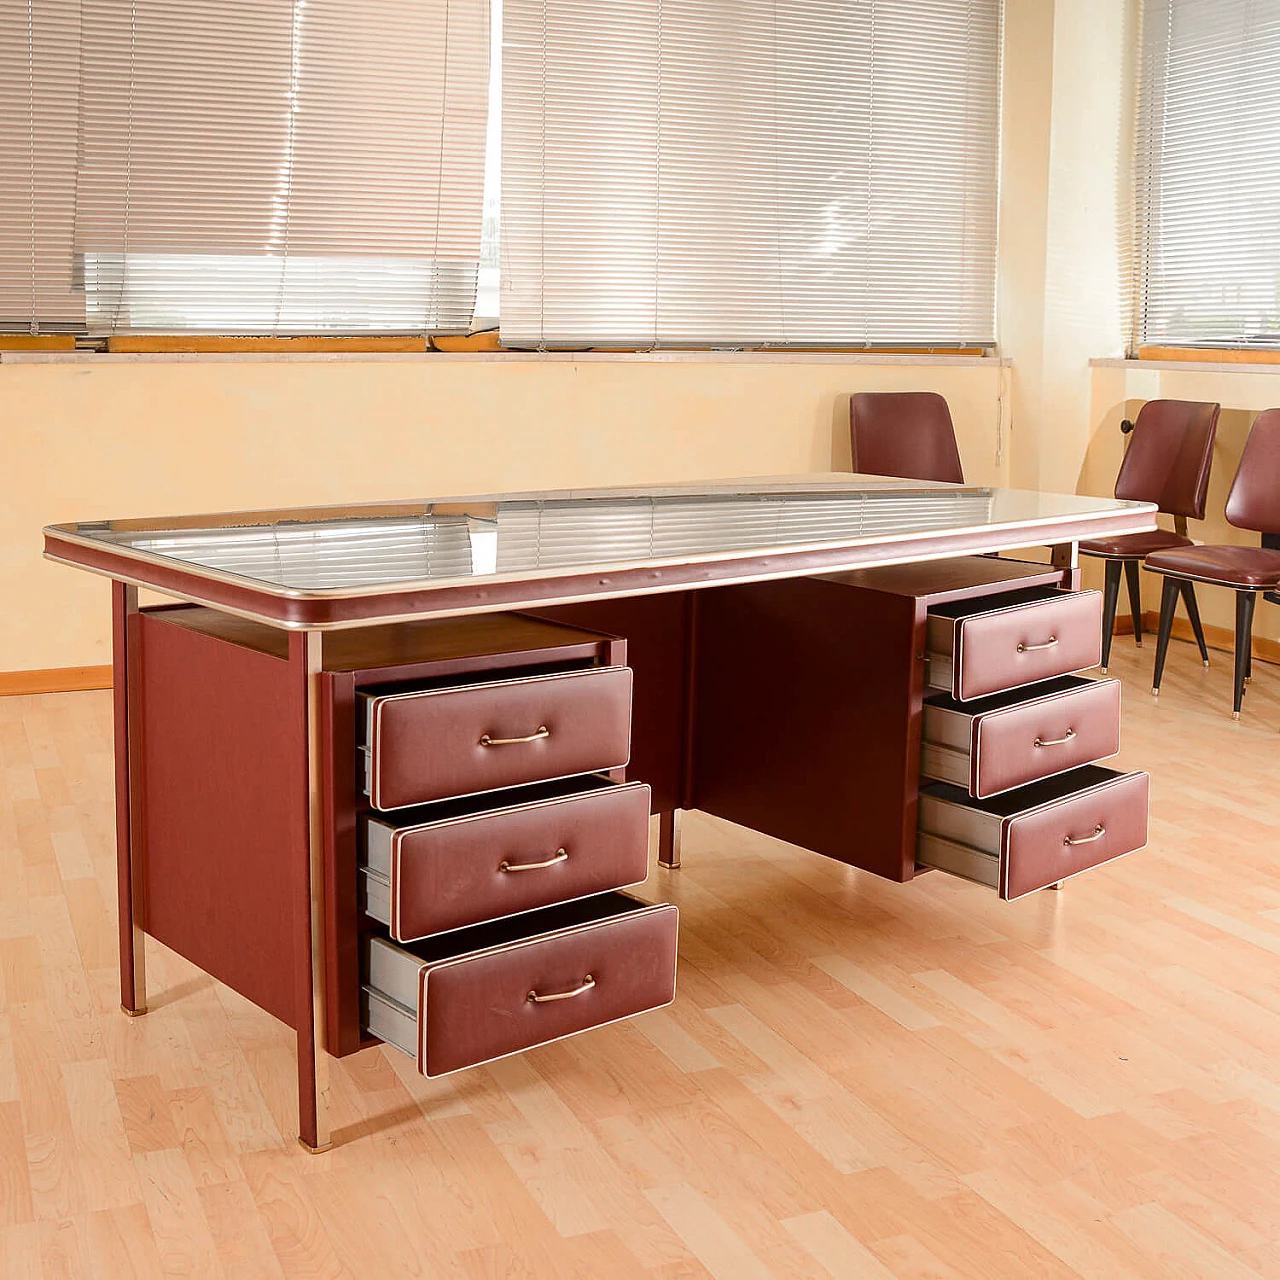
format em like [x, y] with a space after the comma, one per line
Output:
[331, 552]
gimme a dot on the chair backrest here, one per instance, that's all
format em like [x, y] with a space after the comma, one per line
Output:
[904, 433]
[1254, 500]
[1169, 456]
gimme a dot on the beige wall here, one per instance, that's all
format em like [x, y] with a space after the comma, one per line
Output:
[1065, 223]
[110, 436]
[105, 436]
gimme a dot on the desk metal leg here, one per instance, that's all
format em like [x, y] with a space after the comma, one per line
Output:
[313, 1059]
[133, 966]
[669, 838]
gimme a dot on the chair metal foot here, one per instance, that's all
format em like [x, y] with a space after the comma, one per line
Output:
[1103, 670]
[315, 1151]
[1059, 885]
[1206, 664]
[1235, 715]
[133, 1013]
[1155, 693]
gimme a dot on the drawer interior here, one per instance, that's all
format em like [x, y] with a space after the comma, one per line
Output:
[392, 968]
[949, 721]
[952, 813]
[1020, 799]
[375, 850]
[390, 1021]
[957, 609]
[943, 617]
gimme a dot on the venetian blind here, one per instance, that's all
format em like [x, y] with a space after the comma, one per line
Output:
[746, 172]
[39, 73]
[274, 166]
[1208, 168]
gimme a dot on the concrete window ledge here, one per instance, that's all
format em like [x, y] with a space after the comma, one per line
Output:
[747, 358]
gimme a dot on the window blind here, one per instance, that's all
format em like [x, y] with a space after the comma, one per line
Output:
[1208, 169]
[253, 166]
[747, 172]
[39, 74]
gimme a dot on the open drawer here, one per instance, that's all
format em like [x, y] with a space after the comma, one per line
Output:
[1011, 739]
[498, 989]
[462, 862]
[456, 740]
[1033, 837]
[986, 645]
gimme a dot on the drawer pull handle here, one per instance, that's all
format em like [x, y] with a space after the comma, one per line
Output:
[560, 855]
[1098, 832]
[1056, 742]
[487, 741]
[1031, 648]
[587, 983]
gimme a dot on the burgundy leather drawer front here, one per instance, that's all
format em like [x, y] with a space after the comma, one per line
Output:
[436, 743]
[1017, 739]
[462, 871]
[1056, 841]
[574, 968]
[1008, 647]
[1035, 836]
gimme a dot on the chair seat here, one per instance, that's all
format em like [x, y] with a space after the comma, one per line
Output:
[1254, 567]
[1133, 546]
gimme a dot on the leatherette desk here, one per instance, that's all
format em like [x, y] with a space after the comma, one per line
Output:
[384, 769]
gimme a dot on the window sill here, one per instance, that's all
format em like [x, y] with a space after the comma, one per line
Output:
[745, 358]
[1239, 362]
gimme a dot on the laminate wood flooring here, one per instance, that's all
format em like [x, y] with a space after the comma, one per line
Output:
[857, 1079]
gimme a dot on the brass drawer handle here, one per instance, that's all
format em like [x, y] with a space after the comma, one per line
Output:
[1031, 648]
[1098, 832]
[1056, 742]
[560, 855]
[587, 983]
[487, 741]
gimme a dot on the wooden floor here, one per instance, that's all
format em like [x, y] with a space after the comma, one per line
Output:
[857, 1079]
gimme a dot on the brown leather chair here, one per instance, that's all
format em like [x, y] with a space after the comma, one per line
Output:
[1253, 503]
[903, 433]
[1167, 463]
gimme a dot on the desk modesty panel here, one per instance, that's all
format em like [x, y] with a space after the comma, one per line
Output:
[388, 771]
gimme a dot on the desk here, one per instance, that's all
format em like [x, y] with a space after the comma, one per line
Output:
[377, 758]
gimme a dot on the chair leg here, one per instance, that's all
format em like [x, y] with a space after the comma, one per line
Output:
[1110, 594]
[1169, 592]
[1131, 570]
[1193, 612]
[1245, 602]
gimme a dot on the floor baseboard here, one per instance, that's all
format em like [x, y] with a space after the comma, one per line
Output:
[54, 680]
[1220, 638]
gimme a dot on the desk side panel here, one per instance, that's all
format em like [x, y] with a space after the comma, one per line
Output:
[223, 764]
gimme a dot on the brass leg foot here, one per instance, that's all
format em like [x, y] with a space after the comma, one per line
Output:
[1235, 715]
[315, 1151]
[133, 1013]
[1155, 693]
[1061, 884]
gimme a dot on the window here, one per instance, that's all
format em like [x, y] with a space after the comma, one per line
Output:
[743, 172]
[665, 172]
[246, 166]
[1209, 174]
[39, 80]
